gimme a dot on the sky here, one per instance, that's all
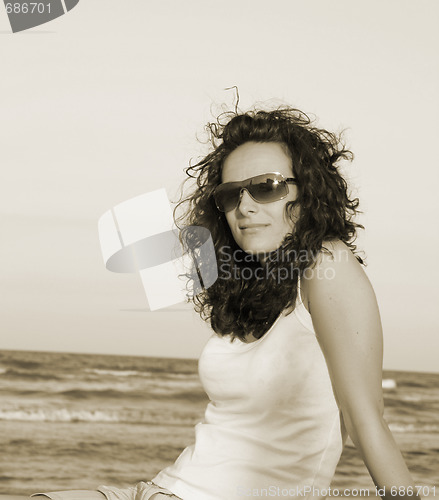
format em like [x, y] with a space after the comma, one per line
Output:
[110, 101]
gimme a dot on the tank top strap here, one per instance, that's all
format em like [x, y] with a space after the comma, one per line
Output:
[301, 311]
[299, 291]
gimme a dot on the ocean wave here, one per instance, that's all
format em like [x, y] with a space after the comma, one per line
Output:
[95, 416]
[150, 393]
[144, 373]
[412, 399]
[59, 415]
[395, 427]
[117, 373]
[186, 396]
[101, 391]
[15, 374]
[21, 363]
[150, 368]
[104, 393]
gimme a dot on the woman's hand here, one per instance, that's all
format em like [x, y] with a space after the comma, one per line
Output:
[346, 319]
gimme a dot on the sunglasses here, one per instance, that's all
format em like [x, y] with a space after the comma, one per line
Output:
[264, 188]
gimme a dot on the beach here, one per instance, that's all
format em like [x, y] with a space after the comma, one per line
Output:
[77, 421]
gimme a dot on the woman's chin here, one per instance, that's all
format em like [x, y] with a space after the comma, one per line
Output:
[260, 252]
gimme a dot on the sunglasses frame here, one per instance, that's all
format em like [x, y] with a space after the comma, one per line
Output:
[247, 182]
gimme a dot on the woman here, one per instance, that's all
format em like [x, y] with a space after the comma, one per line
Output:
[295, 362]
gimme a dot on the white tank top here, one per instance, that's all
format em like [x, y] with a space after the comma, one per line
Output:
[272, 427]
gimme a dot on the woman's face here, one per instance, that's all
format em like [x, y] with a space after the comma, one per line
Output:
[259, 227]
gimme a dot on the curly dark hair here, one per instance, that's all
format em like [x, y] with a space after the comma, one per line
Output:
[239, 305]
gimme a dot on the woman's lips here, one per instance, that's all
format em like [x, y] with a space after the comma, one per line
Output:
[253, 228]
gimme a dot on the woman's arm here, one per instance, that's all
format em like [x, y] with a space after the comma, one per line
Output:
[346, 319]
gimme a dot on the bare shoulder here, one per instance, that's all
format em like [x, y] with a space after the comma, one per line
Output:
[336, 273]
[334, 262]
[336, 251]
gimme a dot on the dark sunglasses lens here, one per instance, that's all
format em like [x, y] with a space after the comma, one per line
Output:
[263, 189]
[268, 190]
[227, 199]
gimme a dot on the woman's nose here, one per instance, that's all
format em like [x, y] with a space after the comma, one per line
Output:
[246, 202]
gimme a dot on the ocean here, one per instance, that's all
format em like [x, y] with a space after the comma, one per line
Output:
[76, 421]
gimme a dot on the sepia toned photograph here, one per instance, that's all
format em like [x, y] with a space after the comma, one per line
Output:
[219, 234]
